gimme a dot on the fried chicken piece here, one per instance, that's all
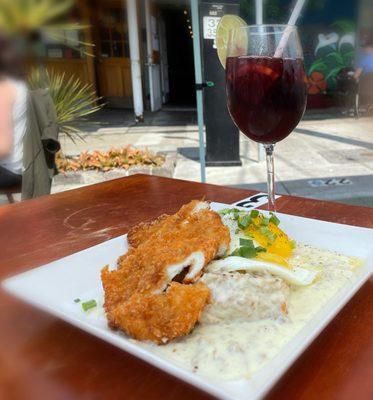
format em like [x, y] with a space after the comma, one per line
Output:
[138, 233]
[162, 317]
[144, 230]
[188, 240]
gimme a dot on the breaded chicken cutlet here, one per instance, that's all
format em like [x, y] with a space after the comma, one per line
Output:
[140, 296]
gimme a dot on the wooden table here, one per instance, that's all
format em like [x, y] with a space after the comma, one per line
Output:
[42, 357]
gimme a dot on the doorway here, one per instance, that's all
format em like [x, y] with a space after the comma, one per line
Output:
[113, 66]
[180, 60]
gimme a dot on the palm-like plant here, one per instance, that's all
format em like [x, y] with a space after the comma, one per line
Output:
[30, 18]
[72, 98]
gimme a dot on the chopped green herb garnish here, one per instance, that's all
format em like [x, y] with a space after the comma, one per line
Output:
[234, 211]
[237, 231]
[247, 249]
[293, 244]
[264, 221]
[244, 222]
[236, 252]
[274, 219]
[266, 232]
[254, 213]
[272, 237]
[244, 251]
[228, 211]
[89, 304]
[76, 300]
[247, 252]
[246, 242]
[260, 249]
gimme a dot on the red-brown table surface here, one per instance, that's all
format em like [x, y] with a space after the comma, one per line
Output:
[42, 357]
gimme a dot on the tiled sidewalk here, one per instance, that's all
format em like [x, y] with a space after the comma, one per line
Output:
[326, 157]
[322, 147]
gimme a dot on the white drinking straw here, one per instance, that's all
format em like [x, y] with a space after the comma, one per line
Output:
[292, 21]
[259, 12]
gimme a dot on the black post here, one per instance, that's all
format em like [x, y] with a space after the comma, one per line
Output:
[222, 136]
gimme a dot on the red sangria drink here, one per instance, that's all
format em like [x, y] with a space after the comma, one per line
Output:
[266, 96]
[265, 86]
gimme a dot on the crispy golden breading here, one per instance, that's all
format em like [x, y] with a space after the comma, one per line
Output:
[138, 233]
[144, 230]
[162, 317]
[145, 268]
[189, 240]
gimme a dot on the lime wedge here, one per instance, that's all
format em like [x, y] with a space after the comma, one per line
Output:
[226, 23]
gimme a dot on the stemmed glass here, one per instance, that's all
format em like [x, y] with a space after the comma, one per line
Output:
[266, 86]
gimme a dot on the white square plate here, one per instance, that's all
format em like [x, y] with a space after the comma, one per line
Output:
[53, 288]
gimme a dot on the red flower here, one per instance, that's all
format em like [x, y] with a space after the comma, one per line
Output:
[316, 83]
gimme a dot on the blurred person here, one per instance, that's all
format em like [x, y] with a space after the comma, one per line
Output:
[364, 72]
[365, 62]
[13, 113]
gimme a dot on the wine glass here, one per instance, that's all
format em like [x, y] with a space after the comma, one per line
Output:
[266, 86]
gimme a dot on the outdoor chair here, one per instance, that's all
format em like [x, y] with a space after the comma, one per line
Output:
[347, 91]
[10, 191]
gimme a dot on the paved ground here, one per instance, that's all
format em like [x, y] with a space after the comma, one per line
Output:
[328, 156]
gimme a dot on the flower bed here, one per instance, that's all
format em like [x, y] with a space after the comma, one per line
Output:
[89, 168]
[104, 161]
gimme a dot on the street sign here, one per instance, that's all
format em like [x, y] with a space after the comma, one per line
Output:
[209, 27]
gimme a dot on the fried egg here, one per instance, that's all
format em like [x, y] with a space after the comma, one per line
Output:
[295, 276]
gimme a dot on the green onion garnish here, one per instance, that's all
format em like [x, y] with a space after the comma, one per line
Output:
[266, 232]
[274, 220]
[264, 221]
[247, 252]
[236, 252]
[246, 242]
[247, 249]
[260, 249]
[228, 211]
[254, 213]
[89, 304]
[244, 251]
[76, 300]
[244, 222]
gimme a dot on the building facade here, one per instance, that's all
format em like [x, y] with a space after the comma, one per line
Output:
[166, 57]
[165, 40]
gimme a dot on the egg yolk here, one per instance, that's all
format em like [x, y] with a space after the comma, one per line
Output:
[279, 244]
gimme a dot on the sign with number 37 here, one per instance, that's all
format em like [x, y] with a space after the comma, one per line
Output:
[209, 27]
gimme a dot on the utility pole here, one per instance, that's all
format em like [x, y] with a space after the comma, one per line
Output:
[133, 34]
[222, 136]
[198, 78]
